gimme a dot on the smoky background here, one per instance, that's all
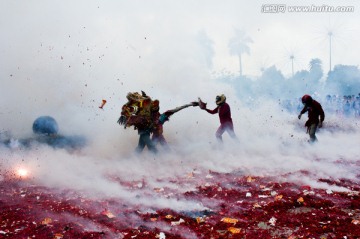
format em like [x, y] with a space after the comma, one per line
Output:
[61, 59]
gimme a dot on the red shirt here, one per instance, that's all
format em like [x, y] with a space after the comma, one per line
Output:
[224, 113]
[314, 112]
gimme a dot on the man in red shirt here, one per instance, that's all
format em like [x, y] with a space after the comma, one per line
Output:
[315, 111]
[223, 109]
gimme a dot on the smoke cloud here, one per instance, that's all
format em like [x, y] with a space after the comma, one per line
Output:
[62, 60]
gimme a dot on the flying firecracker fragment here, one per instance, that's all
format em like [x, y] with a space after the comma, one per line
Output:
[102, 104]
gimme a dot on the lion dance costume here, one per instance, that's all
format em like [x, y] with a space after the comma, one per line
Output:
[143, 113]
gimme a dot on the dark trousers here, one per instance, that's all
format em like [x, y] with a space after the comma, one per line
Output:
[145, 140]
[312, 130]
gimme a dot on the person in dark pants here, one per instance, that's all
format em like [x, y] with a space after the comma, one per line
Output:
[145, 140]
[144, 126]
[223, 109]
[315, 111]
[143, 113]
[137, 112]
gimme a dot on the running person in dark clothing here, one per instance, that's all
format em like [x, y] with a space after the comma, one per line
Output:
[315, 111]
[223, 109]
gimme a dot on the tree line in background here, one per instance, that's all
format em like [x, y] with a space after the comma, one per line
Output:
[343, 80]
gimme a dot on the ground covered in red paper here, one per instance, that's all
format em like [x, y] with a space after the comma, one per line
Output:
[238, 206]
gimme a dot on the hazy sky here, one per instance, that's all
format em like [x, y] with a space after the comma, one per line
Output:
[118, 29]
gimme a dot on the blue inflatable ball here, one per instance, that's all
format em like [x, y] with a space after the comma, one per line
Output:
[45, 125]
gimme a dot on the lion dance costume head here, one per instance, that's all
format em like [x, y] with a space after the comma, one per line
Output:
[138, 110]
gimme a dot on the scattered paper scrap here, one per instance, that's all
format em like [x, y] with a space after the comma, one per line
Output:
[250, 179]
[161, 235]
[273, 193]
[158, 190]
[278, 197]
[234, 230]
[108, 214]
[272, 221]
[176, 223]
[256, 205]
[200, 219]
[355, 222]
[46, 221]
[229, 220]
[58, 236]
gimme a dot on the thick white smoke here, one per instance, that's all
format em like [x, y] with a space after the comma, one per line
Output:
[60, 61]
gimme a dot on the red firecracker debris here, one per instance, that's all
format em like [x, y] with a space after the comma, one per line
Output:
[274, 210]
[102, 104]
